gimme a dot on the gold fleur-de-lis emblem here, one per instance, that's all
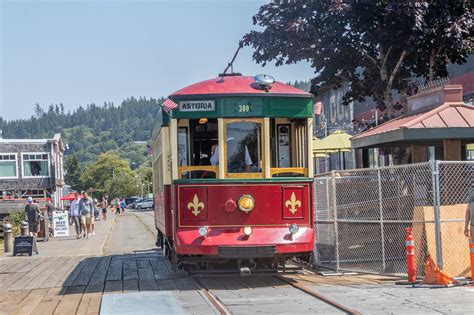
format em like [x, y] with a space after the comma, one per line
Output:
[293, 203]
[196, 204]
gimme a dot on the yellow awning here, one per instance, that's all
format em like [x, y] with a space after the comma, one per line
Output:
[338, 141]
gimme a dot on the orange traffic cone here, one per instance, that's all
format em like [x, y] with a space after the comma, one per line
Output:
[435, 276]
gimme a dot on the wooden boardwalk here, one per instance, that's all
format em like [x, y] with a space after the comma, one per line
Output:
[68, 285]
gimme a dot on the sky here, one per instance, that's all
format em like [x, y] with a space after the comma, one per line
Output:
[82, 52]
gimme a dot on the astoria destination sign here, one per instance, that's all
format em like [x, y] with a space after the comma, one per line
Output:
[197, 106]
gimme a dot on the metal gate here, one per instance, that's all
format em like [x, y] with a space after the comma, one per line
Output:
[361, 215]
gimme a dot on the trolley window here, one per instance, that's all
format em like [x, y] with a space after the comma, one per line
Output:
[196, 137]
[243, 148]
[289, 153]
[251, 148]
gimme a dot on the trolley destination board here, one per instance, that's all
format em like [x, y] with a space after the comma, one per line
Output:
[197, 106]
[258, 106]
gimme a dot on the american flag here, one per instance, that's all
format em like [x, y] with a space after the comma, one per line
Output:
[168, 105]
[317, 108]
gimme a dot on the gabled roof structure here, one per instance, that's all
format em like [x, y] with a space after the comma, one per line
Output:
[435, 115]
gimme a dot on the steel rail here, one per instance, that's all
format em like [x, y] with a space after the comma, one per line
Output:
[221, 308]
[319, 296]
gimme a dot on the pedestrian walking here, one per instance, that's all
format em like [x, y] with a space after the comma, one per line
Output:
[469, 219]
[50, 210]
[104, 204]
[117, 206]
[95, 216]
[76, 215]
[32, 213]
[86, 209]
[123, 205]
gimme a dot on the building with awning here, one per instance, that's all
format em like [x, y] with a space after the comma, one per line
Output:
[337, 144]
[438, 125]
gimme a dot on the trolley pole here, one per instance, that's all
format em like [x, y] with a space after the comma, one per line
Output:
[334, 209]
[382, 234]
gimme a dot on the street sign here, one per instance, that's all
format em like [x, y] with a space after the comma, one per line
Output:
[60, 224]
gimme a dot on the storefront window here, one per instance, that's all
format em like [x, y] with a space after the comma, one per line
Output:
[244, 147]
[8, 166]
[35, 165]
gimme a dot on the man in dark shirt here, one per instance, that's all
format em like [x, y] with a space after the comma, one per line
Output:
[50, 208]
[32, 213]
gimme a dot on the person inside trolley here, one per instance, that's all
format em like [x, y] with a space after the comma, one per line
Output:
[242, 149]
[240, 161]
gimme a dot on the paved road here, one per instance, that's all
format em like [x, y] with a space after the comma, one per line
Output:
[132, 232]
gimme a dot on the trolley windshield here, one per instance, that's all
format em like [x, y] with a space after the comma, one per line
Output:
[248, 147]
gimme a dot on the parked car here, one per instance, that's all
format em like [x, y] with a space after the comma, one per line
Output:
[133, 205]
[130, 200]
[147, 203]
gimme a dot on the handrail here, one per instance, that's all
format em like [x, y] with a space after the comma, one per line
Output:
[298, 170]
[207, 168]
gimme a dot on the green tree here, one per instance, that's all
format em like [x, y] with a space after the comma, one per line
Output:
[73, 172]
[136, 153]
[144, 176]
[372, 45]
[108, 166]
[122, 185]
[92, 130]
[447, 36]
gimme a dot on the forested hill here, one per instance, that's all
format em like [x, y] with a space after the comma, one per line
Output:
[89, 131]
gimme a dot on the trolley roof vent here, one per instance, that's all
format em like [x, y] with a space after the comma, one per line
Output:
[263, 82]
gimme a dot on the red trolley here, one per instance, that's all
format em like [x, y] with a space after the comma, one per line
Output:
[232, 171]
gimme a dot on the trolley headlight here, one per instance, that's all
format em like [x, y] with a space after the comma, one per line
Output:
[247, 230]
[294, 228]
[203, 231]
[246, 203]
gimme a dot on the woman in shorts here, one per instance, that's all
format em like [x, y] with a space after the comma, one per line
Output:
[103, 204]
[123, 205]
[117, 206]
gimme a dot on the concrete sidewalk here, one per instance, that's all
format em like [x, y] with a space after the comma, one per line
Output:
[70, 246]
[132, 232]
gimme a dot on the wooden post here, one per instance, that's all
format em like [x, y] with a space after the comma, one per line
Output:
[266, 147]
[419, 153]
[309, 129]
[174, 148]
[222, 147]
[452, 150]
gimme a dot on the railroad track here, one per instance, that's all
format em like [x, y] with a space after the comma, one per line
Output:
[211, 298]
[318, 295]
[224, 310]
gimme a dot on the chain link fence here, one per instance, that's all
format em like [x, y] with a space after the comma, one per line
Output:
[361, 216]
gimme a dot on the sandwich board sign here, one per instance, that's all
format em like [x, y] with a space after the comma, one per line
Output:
[60, 224]
[25, 245]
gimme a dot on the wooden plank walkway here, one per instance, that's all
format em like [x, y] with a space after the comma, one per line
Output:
[75, 285]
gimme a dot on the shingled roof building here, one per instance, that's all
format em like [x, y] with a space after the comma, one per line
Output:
[438, 123]
[32, 168]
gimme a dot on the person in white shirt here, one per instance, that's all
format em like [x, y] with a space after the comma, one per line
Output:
[247, 160]
[75, 215]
